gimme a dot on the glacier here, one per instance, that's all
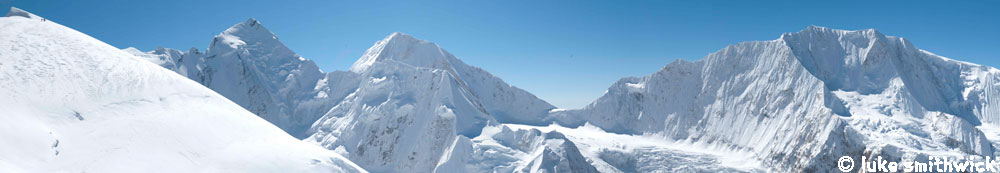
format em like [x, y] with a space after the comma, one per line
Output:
[72, 103]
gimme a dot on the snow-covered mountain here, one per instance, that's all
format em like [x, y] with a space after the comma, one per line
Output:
[72, 103]
[247, 64]
[807, 98]
[792, 104]
[413, 100]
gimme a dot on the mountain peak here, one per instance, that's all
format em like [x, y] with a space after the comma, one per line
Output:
[249, 27]
[401, 37]
[406, 49]
[251, 22]
[14, 11]
[250, 31]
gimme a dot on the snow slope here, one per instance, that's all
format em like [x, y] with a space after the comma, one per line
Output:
[75, 104]
[802, 101]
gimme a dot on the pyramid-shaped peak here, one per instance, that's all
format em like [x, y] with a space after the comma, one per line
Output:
[404, 48]
[250, 31]
[246, 28]
[14, 11]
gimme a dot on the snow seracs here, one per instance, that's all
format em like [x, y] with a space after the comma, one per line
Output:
[802, 101]
[247, 64]
[413, 100]
[501, 149]
[73, 103]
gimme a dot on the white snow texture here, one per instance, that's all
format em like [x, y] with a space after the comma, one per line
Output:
[72, 103]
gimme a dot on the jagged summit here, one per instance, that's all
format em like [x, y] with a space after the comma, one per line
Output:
[849, 60]
[865, 38]
[813, 29]
[14, 11]
[817, 30]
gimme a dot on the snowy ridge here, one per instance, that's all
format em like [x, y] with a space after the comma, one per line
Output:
[73, 103]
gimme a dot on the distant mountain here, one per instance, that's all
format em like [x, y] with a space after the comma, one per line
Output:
[802, 101]
[72, 103]
[247, 64]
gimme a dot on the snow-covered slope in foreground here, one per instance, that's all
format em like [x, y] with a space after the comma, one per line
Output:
[73, 103]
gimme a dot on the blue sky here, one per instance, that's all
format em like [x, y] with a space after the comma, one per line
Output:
[566, 52]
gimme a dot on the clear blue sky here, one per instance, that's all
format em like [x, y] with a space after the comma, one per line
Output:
[566, 52]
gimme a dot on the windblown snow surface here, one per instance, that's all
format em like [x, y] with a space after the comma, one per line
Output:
[794, 104]
[72, 103]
